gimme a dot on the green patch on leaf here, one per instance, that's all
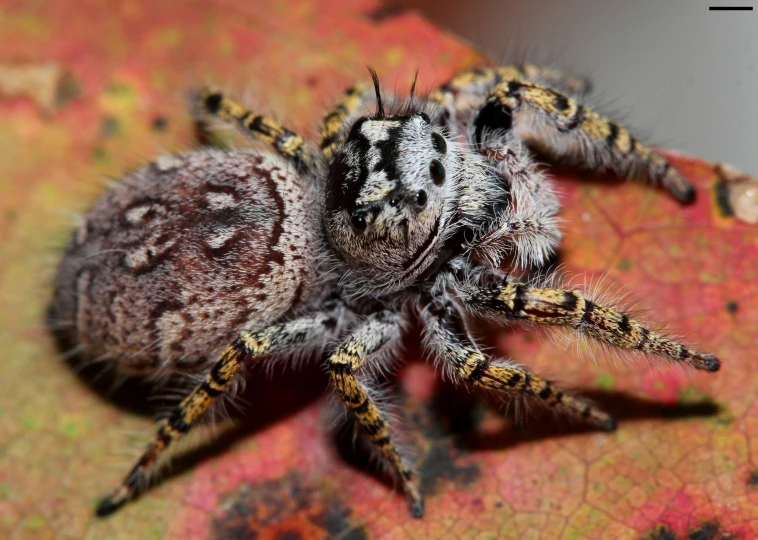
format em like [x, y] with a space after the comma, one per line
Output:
[625, 264]
[34, 522]
[606, 381]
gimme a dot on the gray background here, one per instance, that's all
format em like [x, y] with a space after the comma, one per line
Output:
[679, 74]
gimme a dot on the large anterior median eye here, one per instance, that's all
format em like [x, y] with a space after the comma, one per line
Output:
[437, 171]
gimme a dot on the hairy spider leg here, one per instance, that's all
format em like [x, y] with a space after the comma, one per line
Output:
[536, 102]
[247, 348]
[563, 307]
[447, 335]
[480, 80]
[570, 84]
[349, 106]
[369, 338]
[530, 223]
[284, 141]
[568, 131]
[467, 89]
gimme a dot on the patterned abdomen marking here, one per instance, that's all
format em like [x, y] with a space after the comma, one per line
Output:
[174, 261]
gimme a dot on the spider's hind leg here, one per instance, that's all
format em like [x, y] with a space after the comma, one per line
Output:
[248, 347]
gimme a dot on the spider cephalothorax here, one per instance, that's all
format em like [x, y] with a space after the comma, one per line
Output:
[394, 194]
[390, 198]
[211, 260]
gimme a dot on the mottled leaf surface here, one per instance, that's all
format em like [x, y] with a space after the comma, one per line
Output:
[682, 462]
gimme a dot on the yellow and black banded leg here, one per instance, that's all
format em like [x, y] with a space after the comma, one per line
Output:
[572, 85]
[451, 341]
[481, 80]
[343, 363]
[467, 89]
[568, 131]
[348, 107]
[247, 348]
[285, 142]
[562, 307]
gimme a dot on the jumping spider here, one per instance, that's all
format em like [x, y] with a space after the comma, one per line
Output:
[211, 260]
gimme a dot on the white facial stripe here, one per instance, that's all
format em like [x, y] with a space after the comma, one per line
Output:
[378, 130]
[377, 184]
[373, 157]
[377, 187]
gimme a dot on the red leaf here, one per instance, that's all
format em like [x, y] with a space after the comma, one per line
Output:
[682, 459]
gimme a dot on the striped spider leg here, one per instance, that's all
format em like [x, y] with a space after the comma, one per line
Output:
[247, 350]
[536, 104]
[378, 332]
[515, 301]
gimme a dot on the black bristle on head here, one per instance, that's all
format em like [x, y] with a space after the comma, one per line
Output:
[379, 102]
[410, 106]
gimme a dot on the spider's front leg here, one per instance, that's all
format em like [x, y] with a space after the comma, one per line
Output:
[568, 131]
[368, 339]
[248, 348]
[448, 338]
[466, 90]
[479, 81]
[564, 307]
[348, 107]
[285, 142]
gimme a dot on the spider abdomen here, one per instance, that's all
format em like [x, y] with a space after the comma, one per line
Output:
[173, 262]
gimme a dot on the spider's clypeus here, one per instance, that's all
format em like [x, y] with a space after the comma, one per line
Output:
[215, 260]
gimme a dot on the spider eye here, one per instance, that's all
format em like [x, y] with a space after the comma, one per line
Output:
[358, 222]
[420, 198]
[437, 171]
[425, 117]
[394, 200]
[438, 141]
